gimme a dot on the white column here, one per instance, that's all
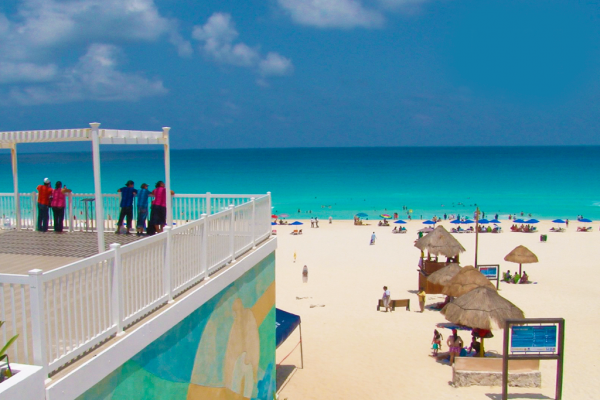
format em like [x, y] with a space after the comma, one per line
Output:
[98, 187]
[168, 177]
[253, 227]
[204, 244]
[13, 156]
[71, 216]
[167, 265]
[232, 232]
[38, 325]
[208, 203]
[116, 289]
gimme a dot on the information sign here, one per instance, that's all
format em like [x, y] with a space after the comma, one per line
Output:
[489, 272]
[533, 338]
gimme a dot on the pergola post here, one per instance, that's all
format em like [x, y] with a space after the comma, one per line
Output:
[13, 156]
[168, 177]
[98, 187]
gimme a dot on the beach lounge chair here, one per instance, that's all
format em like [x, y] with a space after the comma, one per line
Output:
[300, 232]
[294, 232]
[274, 232]
[395, 303]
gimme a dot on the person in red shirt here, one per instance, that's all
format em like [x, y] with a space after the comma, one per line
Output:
[44, 199]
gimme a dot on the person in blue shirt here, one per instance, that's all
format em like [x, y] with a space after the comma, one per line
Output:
[128, 193]
[142, 209]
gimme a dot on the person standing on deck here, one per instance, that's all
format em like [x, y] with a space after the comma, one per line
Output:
[158, 218]
[58, 204]
[43, 203]
[128, 192]
[142, 209]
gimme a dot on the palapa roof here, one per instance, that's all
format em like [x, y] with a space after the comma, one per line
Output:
[481, 308]
[444, 275]
[521, 255]
[440, 241]
[467, 279]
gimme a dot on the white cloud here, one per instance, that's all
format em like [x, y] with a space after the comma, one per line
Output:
[94, 77]
[332, 13]
[41, 26]
[275, 64]
[218, 36]
[15, 72]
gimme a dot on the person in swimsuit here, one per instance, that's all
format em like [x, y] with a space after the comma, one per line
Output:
[386, 299]
[455, 344]
[436, 342]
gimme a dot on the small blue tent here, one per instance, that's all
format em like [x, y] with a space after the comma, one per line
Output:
[286, 323]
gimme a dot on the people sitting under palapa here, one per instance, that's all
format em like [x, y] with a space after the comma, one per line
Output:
[507, 277]
[524, 278]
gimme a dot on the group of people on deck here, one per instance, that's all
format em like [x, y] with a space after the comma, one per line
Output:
[158, 216]
[55, 199]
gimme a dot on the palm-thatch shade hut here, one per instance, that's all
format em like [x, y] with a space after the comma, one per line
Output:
[521, 255]
[440, 242]
[481, 308]
[467, 279]
[444, 275]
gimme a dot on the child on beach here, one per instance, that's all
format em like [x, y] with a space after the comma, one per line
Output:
[436, 342]
[386, 299]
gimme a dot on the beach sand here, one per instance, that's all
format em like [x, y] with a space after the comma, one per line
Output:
[351, 351]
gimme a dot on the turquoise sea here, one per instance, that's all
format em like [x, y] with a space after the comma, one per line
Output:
[548, 182]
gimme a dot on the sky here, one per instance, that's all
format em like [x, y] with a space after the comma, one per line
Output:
[306, 73]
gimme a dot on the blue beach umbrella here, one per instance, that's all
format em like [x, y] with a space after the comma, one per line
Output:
[519, 221]
[456, 221]
[296, 223]
[484, 221]
[400, 222]
[468, 222]
[559, 221]
[495, 221]
[429, 222]
[273, 223]
[584, 220]
[362, 215]
[532, 221]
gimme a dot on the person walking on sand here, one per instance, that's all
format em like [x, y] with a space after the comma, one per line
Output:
[436, 342]
[312, 222]
[422, 298]
[455, 344]
[128, 193]
[304, 274]
[43, 203]
[294, 256]
[373, 237]
[58, 204]
[330, 219]
[386, 299]
[316, 222]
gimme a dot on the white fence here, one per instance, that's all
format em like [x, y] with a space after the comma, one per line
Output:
[64, 313]
[80, 210]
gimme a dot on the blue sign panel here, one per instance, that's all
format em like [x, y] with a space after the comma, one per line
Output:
[489, 272]
[533, 338]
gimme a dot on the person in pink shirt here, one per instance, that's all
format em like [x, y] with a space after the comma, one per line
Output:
[58, 204]
[158, 218]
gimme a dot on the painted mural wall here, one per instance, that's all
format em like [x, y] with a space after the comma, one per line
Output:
[223, 350]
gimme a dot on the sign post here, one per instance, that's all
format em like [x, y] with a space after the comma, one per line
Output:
[491, 271]
[535, 339]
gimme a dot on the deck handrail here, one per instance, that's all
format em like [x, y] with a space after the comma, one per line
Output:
[66, 312]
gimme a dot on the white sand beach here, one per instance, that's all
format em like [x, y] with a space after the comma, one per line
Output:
[351, 351]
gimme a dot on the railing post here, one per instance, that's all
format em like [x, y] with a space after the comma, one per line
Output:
[168, 269]
[204, 244]
[116, 289]
[253, 227]
[71, 216]
[208, 205]
[34, 211]
[232, 233]
[38, 326]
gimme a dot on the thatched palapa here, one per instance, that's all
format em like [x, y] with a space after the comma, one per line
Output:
[481, 308]
[521, 255]
[444, 275]
[467, 279]
[440, 242]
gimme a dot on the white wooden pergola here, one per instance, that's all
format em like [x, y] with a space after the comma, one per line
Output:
[10, 140]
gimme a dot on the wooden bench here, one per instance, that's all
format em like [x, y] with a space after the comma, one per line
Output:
[395, 303]
[487, 371]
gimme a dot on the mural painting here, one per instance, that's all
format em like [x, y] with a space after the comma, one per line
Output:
[223, 350]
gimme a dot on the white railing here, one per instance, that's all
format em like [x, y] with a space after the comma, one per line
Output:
[80, 212]
[64, 313]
